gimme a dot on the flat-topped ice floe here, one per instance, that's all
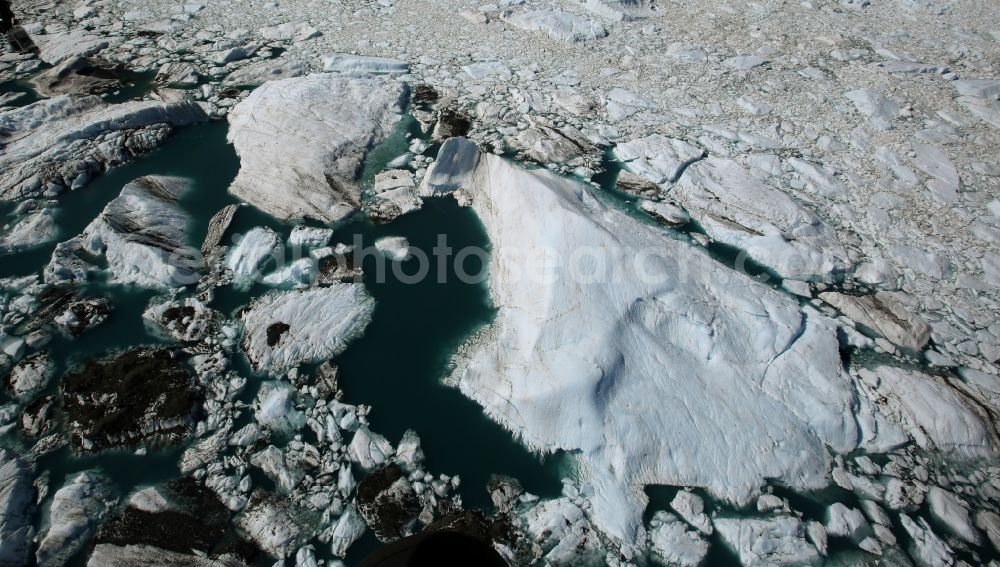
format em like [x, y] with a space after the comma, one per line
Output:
[302, 140]
[346, 63]
[285, 329]
[666, 368]
[560, 26]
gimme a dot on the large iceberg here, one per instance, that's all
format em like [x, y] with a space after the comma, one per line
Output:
[302, 140]
[653, 363]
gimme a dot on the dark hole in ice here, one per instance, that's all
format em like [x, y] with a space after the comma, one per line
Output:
[275, 331]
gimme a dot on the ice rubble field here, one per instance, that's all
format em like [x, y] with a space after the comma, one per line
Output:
[849, 150]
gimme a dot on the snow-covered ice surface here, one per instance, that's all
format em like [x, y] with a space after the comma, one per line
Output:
[141, 234]
[59, 143]
[301, 141]
[696, 376]
[283, 330]
[847, 147]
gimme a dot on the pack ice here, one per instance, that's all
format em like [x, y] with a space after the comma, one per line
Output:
[664, 368]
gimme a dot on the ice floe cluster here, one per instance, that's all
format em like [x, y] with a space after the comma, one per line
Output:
[850, 158]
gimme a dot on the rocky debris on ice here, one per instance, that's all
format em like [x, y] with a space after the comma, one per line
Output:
[450, 124]
[77, 76]
[77, 510]
[561, 534]
[82, 315]
[637, 185]
[395, 248]
[142, 234]
[546, 144]
[658, 158]
[559, 25]
[318, 129]
[217, 227]
[285, 329]
[904, 495]
[358, 64]
[140, 395]
[771, 227]
[926, 547]
[137, 555]
[252, 253]
[62, 142]
[388, 503]
[31, 375]
[633, 327]
[934, 414]
[17, 501]
[671, 540]
[773, 541]
[952, 512]
[38, 419]
[272, 522]
[882, 313]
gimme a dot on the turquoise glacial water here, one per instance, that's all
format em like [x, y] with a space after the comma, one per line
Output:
[397, 366]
